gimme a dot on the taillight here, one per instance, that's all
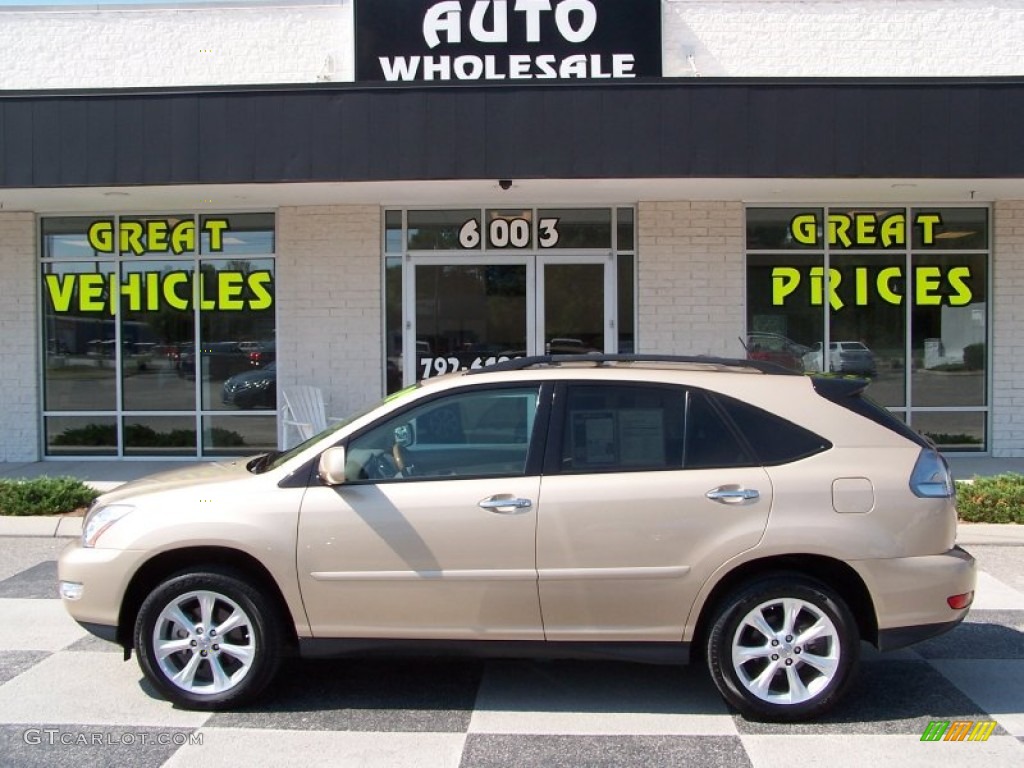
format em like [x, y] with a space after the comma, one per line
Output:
[930, 478]
[959, 602]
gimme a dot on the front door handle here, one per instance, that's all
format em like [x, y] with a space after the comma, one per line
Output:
[504, 504]
[733, 494]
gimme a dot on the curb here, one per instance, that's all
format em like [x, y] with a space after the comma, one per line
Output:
[39, 526]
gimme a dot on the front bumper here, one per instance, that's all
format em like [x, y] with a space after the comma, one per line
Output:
[910, 594]
[104, 575]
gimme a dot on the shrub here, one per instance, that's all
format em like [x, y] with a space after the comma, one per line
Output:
[44, 496]
[997, 499]
[974, 357]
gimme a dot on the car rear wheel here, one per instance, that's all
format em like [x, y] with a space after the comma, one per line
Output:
[207, 640]
[783, 649]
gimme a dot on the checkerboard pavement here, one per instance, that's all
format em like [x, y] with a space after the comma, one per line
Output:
[68, 699]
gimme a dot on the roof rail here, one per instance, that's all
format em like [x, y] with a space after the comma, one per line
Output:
[596, 358]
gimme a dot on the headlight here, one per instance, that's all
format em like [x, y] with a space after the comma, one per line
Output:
[101, 518]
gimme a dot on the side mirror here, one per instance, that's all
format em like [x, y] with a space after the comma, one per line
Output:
[331, 467]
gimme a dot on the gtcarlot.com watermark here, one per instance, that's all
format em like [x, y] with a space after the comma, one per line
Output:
[57, 737]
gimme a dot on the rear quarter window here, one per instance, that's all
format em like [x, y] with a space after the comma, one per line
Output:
[772, 439]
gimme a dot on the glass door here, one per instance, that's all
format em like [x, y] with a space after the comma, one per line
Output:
[576, 299]
[471, 314]
[467, 315]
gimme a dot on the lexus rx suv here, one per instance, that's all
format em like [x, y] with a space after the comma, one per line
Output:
[645, 507]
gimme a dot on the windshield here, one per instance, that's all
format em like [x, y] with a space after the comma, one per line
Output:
[273, 460]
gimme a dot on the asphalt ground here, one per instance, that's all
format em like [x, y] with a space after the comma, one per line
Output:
[69, 699]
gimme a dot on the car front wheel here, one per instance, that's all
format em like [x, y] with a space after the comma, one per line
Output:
[207, 640]
[783, 649]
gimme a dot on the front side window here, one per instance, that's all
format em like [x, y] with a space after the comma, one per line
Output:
[482, 433]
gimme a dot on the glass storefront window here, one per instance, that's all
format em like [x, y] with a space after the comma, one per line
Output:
[81, 435]
[236, 328]
[119, 330]
[444, 230]
[627, 304]
[393, 331]
[867, 322]
[564, 228]
[79, 337]
[66, 237]
[157, 326]
[788, 229]
[950, 329]
[904, 291]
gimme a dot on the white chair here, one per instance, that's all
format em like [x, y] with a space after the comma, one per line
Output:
[302, 407]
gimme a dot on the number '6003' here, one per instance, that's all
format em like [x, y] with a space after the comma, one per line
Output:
[508, 233]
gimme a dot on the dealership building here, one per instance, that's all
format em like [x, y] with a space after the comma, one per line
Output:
[204, 205]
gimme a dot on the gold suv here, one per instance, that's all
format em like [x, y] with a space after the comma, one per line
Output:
[630, 506]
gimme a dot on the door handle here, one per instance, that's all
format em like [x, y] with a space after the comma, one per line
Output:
[505, 505]
[733, 494]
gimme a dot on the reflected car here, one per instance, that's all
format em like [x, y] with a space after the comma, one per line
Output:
[618, 506]
[851, 357]
[776, 348]
[252, 389]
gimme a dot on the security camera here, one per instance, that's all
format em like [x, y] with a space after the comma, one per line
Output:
[505, 183]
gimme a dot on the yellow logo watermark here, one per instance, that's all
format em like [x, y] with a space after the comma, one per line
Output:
[958, 730]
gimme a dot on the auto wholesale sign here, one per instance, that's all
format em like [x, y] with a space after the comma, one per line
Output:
[493, 41]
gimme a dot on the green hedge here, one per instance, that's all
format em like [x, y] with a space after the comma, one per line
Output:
[44, 496]
[996, 499]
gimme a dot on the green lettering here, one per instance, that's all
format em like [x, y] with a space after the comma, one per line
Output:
[257, 284]
[216, 228]
[927, 280]
[961, 291]
[61, 288]
[784, 281]
[101, 236]
[839, 230]
[894, 230]
[928, 222]
[229, 293]
[804, 229]
[885, 290]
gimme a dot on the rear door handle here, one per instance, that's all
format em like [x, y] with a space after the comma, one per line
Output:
[733, 494]
[505, 505]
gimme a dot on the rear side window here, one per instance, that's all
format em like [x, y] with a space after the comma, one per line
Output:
[710, 441]
[774, 440]
[618, 428]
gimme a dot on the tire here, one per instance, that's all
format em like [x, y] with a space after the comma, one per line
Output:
[758, 661]
[185, 660]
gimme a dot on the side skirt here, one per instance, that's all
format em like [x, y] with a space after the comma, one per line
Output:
[648, 653]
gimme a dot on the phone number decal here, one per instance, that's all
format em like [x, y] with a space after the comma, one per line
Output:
[439, 366]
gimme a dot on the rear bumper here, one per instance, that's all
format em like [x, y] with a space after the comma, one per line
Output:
[910, 594]
[901, 637]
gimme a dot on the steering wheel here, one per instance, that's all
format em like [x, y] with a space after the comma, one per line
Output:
[380, 467]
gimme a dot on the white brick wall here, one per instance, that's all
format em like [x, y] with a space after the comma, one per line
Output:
[19, 385]
[1008, 329]
[839, 38]
[145, 46]
[690, 278]
[294, 41]
[329, 297]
